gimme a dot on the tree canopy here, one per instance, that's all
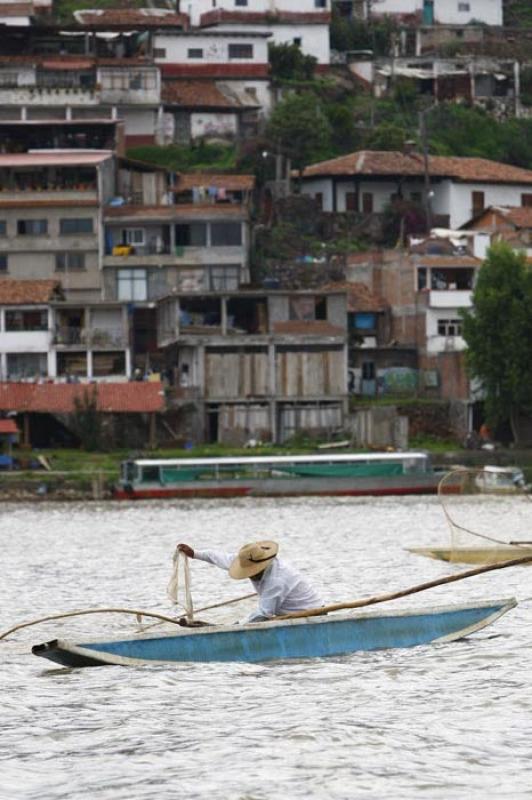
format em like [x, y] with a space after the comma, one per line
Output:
[498, 333]
[299, 129]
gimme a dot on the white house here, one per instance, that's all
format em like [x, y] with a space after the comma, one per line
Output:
[460, 188]
[26, 328]
[443, 12]
[305, 23]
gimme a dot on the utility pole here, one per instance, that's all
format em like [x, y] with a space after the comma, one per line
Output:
[426, 171]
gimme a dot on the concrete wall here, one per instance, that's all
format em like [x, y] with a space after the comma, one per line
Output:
[215, 48]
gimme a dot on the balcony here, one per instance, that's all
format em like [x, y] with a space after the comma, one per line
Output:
[450, 298]
[84, 338]
[57, 97]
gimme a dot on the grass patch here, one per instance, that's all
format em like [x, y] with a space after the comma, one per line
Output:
[200, 157]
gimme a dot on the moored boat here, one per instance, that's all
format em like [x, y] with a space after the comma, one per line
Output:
[473, 555]
[270, 476]
[315, 637]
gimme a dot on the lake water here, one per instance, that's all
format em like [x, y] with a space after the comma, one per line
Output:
[437, 722]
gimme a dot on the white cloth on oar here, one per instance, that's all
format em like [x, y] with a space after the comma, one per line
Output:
[281, 588]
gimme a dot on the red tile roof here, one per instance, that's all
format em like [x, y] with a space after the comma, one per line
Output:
[16, 10]
[248, 70]
[220, 16]
[173, 213]
[318, 327]
[447, 261]
[233, 183]
[194, 94]
[8, 426]
[519, 217]
[375, 162]
[29, 292]
[133, 17]
[58, 398]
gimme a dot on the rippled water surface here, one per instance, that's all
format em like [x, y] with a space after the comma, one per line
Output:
[443, 721]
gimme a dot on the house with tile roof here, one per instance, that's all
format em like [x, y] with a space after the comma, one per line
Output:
[368, 181]
[506, 223]
[305, 23]
[43, 336]
[26, 328]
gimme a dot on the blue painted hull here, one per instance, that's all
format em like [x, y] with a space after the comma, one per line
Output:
[303, 638]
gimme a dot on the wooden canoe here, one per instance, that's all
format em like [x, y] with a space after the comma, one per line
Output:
[314, 637]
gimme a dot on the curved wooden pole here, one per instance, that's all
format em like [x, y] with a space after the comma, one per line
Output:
[134, 611]
[382, 598]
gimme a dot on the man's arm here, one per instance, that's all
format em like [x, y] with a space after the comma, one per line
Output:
[216, 557]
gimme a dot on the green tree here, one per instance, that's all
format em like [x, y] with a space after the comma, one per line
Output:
[86, 419]
[498, 332]
[288, 63]
[299, 129]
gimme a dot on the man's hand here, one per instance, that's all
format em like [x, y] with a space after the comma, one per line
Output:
[184, 548]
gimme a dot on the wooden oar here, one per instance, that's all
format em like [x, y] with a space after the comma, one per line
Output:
[382, 598]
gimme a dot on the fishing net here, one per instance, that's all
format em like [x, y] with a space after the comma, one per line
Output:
[476, 503]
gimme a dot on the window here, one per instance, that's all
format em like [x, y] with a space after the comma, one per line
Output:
[2, 227]
[464, 7]
[34, 320]
[320, 3]
[134, 236]
[367, 203]
[526, 200]
[132, 284]
[32, 227]
[240, 51]
[195, 52]
[307, 309]
[241, 3]
[222, 278]
[159, 52]
[3, 262]
[66, 262]
[421, 279]
[368, 370]
[449, 327]
[415, 197]
[193, 234]
[297, 41]
[477, 202]
[351, 201]
[70, 226]
[26, 365]
[226, 234]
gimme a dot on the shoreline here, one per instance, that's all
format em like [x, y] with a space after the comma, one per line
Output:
[43, 487]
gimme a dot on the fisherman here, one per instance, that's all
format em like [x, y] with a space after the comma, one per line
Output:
[281, 588]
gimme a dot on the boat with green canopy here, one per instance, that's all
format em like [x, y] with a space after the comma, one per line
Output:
[398, 473]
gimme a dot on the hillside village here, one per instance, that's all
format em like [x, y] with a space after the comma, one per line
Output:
[251, 219]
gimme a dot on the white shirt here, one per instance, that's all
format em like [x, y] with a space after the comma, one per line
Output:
[281, 589]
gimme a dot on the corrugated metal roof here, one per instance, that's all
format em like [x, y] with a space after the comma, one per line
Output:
[81, 158]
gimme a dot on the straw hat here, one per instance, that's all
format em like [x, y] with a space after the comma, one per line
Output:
[252, 559]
